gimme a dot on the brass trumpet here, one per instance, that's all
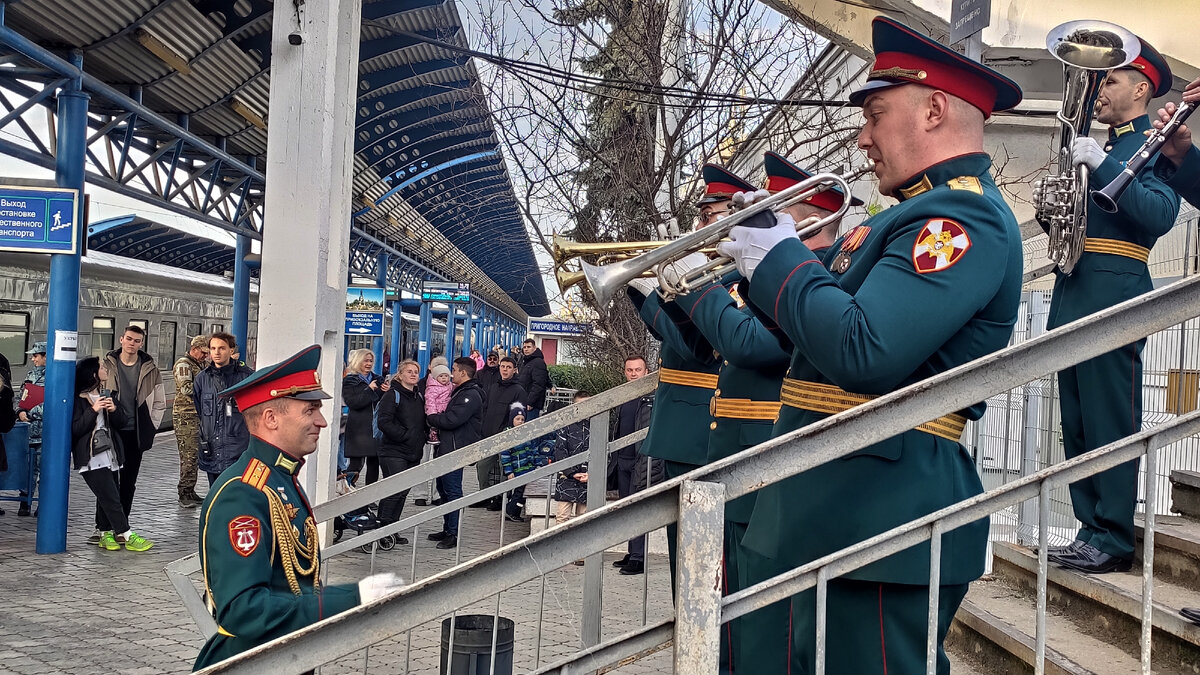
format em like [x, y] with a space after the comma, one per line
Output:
[565, 249]
[606, 280]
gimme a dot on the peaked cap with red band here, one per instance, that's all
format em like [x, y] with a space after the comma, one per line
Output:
[904, 56]
[782, 174]
[294, 377]
[1152, 64]
[720, 184]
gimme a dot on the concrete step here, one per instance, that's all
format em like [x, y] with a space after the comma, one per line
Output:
[1108, 607]
[1185, 494]
[997, 627]
[1176, 550]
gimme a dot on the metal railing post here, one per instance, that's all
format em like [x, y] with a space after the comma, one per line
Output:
[597, 495]
[1148, 559]
[698, 577]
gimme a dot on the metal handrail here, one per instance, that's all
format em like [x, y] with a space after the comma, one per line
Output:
[464, 457]
[745, 472]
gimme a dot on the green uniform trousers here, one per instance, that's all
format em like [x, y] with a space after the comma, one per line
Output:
[872, 628]
[762, 638]
[187, 437]
[1101, 402]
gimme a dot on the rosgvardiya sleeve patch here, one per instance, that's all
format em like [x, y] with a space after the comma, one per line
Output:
[244, 534]
[940, 243]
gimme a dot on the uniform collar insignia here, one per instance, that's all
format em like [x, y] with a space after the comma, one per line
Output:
[923, 185]
[287, 463]
[1139, 123]
[1123, 129]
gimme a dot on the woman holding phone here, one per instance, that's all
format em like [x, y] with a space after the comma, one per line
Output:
[98, 455]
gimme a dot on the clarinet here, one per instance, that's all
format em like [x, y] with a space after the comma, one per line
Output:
[1107, 198]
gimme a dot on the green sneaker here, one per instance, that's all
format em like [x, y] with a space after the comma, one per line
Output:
[135, 542]
[109, 542]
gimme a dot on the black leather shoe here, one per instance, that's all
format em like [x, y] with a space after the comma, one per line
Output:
[1191, 614]
[513, 518]
[633, 567]
[1069, 549]
[438, 536]
[449, 542]
[1091, 560]
[494, 505]
[480, 505]
[23, 510]
[622, 562]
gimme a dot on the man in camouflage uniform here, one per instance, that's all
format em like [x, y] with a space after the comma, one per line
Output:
[185, 419]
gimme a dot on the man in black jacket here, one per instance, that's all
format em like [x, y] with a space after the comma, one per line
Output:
[500, 396]
[534, 378]
[490, 373]
[633, 471]
[459, 426]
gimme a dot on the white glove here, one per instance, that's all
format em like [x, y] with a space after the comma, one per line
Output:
[644, 286]
[749, 245]
[1085, 150]
[377, 586]
[743, 199]
[672, 271]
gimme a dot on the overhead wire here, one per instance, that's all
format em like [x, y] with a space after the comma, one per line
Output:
[657, 94]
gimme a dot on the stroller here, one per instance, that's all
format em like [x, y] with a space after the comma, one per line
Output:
[360, 520]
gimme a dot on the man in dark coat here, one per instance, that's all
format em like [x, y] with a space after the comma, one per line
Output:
[534, 378]
[459, 426]
[501, 394]
[635, 472]
[402, 421]
[490, 372]
[223, 432]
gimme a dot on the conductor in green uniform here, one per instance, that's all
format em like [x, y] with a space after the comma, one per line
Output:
[259, 550]
[1100, 400]
[924, 286]
[745, 405]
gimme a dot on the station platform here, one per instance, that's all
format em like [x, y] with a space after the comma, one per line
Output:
[89, 610]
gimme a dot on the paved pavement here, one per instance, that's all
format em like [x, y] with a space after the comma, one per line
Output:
[90, 610]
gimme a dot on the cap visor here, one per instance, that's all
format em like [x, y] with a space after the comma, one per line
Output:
[712, 199]
[314, 395]
[860, 95]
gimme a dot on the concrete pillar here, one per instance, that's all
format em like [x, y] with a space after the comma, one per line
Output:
[310, 150]
[62, 324]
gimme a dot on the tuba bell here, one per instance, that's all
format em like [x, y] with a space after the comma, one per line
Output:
[1088, 50]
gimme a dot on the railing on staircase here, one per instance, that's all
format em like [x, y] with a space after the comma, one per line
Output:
[695, 501]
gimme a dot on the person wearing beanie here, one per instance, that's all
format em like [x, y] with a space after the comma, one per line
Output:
[437, 394]
[518, 461]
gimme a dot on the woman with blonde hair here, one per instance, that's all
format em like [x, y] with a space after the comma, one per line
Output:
[361, 391]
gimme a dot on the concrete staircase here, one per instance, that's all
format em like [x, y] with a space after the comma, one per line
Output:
[1093, 621]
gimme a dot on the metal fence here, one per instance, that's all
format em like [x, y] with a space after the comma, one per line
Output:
[695, 500]
[1020, 433]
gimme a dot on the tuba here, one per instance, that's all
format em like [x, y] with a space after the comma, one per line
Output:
[1088, 50]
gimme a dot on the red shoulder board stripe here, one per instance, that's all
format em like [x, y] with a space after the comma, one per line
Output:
[940, 244]
[256, 474]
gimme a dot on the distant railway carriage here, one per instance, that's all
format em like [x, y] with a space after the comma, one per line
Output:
[170, 304]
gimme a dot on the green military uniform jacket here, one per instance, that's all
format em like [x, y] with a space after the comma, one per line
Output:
[1146, 211]
[262, 583]
[1184, 180]
[752, 368]
[679, 422]
[934, 284]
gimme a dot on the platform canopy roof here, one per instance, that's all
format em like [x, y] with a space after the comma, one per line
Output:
[133, 236]
[430, 184]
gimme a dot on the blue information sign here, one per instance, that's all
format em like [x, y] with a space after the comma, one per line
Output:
[38, 220]
[364, 311]
[559, 327]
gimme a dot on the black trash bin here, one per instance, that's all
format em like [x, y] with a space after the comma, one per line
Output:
[473, 646]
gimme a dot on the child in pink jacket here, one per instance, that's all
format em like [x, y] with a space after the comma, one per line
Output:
[437, 394]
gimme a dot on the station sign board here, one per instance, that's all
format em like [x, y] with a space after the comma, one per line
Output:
[559, 327]
[364, 310]
[38, 220]
[446, 291]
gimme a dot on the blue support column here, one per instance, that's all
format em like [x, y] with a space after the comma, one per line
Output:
[466, 334]
[477, 335]
[241, 297]
[451, 333]
[397, 323]
[381, 270]
[424, 336]
[63, 322]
